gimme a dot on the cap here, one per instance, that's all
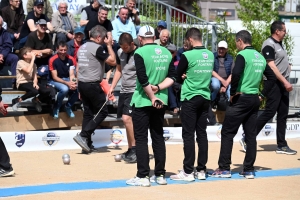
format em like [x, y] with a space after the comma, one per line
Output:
[78, 30]
[38, 2]
[101, 2]
[223, 44]
[41, 21]
[146, 31]
[162, 23]
[171, 47]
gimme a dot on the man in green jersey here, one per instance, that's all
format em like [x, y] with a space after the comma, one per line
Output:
[196, 66]
[154, 76]
[247, 74]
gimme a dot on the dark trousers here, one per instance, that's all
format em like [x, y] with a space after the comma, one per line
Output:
[12, 60]
[152, 118]
[32, 92]
[242, 110]
[4, 157]
[172, 100]
[93, 98]
[194, 118]
[277, 101]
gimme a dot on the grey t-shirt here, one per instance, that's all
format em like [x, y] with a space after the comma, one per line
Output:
[91, 62]
[128, 79]
[273, 50]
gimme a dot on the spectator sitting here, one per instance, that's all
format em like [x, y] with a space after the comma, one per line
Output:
[63, 23]
[90, 12]
[13, 15]
[133, 14]
[221, 76]
[27, 81]
[41, 43]
[100, 20]
[61, 66]
[181, 50]
[173, 91]
[122, 25]
[163, 38]
[6, 57]
[47, 9]
[30, 21]
[161, 25]
[74, 44]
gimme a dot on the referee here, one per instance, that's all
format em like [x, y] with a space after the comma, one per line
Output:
[249, 68]
[91, 66]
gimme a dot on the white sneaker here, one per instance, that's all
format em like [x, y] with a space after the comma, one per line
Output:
[243, 144]
[161, 180]
[201, 175]
[182, 176]
[136, 181]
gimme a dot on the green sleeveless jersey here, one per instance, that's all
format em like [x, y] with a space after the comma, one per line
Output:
[157, 60]
[255, 65]
[198, 73]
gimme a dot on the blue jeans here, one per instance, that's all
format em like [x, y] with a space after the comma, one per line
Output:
[22, 42]
[215, 87]
[63, 91]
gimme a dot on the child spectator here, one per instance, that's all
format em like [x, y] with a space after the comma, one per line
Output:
[27, 81]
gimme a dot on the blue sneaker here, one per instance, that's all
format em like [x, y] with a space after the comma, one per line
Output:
[248, 175]
[55, 113]
[69, 112]
[220, 173]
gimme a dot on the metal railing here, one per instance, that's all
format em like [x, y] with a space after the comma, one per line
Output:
[178, 21]
[295, 93]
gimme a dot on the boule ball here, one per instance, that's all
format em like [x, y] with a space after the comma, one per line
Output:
[118, 158]
[66, 161]
[66, 156]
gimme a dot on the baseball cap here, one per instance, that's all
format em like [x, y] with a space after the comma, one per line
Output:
[171, 47]
[162, 23]
[78, 30]
[146, 31]
[41, 21]
[223, 44]
[39, 2]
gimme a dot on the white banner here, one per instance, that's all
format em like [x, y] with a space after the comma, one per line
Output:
[63, 139]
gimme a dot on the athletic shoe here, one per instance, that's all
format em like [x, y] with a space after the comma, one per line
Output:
[182, 176]
[219, 173]
[15, 104]
[123, 155]
[55, 113]
[37, 104]
[243, 144]
[286, 150]
[201, 175]
[69, 112]
[131, 157]
[6, 173]
[248, 175]
[136, 181]
[81, 142]
[161, 180]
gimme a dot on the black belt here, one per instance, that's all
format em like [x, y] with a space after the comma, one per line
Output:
[246, 95]
[95, 82]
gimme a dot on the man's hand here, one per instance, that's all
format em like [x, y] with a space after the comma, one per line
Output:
[70, 36]
[134, 11]
[72, 85]
[36, 86]
[3, 111]
[157, 103]
[183, 76]
[16, 35]
[223, 89]
[108, 40]
[154, 88]
[288, 86]
[110, 92]
[1, 59]
[224, 83]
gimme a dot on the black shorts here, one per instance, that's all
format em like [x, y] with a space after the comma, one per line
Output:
[124, 107]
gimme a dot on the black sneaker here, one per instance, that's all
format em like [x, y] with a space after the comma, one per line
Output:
[15, 103]
[81, 142]
[286, 150]
[125, 154]
[131, 157]
[6, 173]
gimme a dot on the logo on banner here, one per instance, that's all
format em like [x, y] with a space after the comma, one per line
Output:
[292, 127]
[20, 137]
[116, 136]
[51, 139]
[167, 135]
[268, 130]
[219, 132]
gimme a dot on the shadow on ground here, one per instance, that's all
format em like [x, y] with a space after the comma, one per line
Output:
[267, 147]
[240, 167]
